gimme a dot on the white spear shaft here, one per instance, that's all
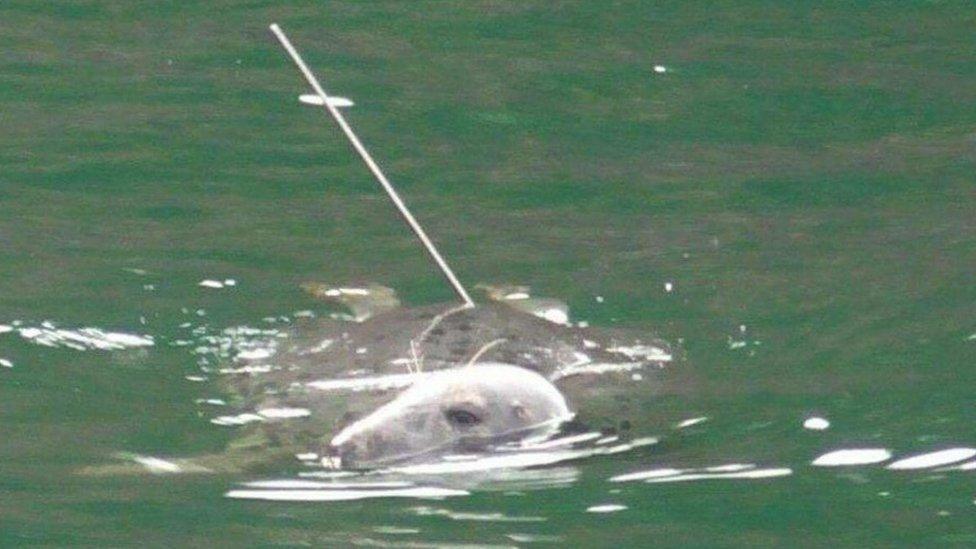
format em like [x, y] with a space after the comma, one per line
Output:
[371, 164]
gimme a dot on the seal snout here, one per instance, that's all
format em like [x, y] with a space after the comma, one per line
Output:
[334, 455]
[352, 452]
[345, 454]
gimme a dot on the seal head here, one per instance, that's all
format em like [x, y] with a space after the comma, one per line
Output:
[467, 409]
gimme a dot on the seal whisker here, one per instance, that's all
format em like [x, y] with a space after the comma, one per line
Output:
[485, 348]
[418, 365]
[415, 344]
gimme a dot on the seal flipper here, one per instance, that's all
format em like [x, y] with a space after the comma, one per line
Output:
[363, 302]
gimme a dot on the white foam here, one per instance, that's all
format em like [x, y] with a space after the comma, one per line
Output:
[816, 423]
[852, 456]
[933, 459]
[605, 508]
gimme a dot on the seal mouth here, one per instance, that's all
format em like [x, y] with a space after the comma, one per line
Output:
[331, 462]
[343, 456]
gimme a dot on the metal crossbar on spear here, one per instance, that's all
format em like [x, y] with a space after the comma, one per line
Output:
[332, 105]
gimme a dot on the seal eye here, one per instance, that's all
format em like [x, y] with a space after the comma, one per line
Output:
[461, 417]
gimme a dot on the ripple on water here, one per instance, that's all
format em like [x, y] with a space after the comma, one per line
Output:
[49, 334]
[933, 459]
[816, 423]
[345, 494]
[690, 422]
[512, 468]
[744, 471]
[852, 456]
[493, 516]
[395, 530]
[519, 537]
[606, 508]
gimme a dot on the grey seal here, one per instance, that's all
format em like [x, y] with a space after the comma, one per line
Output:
[468, 409]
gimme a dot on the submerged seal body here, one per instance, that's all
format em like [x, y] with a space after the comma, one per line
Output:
[397, 384]
[388, 385]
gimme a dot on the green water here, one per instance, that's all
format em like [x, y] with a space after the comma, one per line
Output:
[801, 173]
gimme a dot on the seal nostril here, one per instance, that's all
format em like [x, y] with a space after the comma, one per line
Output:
[342, 455]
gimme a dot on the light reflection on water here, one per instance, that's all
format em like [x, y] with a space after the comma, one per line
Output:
[529, 467]
[456, 482]
[521, 468]
[48, 334]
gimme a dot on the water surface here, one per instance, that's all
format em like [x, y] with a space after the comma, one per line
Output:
[785, 190]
